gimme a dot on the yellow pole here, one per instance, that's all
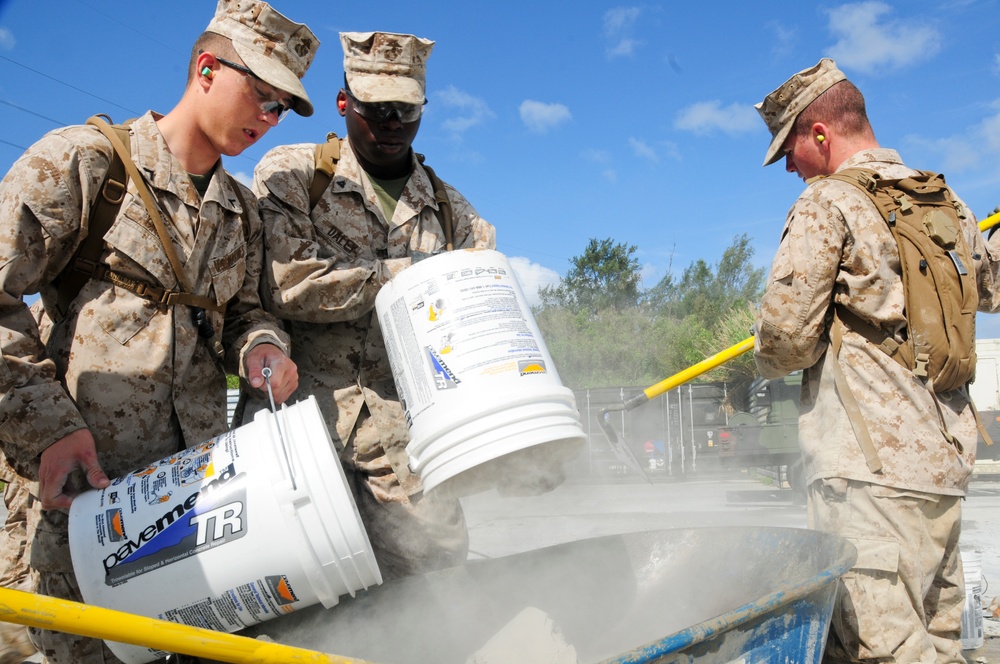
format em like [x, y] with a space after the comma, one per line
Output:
[989, 222]
[697, 369]
[44, 612]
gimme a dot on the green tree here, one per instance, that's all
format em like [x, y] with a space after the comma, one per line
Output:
[606, 275]
[602, 329]
[595, 349]
[707, 293]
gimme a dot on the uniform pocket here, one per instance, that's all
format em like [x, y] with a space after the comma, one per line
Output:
[119, 312]
[228, 272]
[867, 600]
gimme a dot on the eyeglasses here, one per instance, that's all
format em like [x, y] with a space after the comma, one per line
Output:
[382, 111]
[267, 105]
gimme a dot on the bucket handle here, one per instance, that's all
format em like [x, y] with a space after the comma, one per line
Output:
[266, 372]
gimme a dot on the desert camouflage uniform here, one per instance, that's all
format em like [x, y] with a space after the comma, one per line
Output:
[14, 570]
[836, 248]
[324, 270]
[135, 374]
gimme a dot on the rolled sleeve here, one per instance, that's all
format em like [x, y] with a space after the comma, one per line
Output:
[794, 310]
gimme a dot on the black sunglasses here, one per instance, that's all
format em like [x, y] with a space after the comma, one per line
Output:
[270, 106]
[382, 111]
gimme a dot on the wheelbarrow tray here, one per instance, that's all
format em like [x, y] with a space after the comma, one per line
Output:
[678, 595]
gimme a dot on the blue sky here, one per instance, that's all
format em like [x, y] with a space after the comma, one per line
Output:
[565, 121]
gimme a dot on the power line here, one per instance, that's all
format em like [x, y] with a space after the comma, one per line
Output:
[30, 112]
[68, 85]
[13, 145]
[146, 37]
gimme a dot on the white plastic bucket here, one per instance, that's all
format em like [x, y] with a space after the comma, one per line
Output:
[972, 613]
[233, 532]
[478, 386]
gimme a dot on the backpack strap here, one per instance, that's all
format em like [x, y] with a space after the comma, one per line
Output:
[445, 214]
[326, 156]
[847, 398]
[108, 210]
[86, 259]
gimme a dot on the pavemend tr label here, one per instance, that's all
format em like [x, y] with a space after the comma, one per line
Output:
[205, 507]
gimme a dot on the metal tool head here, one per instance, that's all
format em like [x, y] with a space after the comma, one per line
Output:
[618, 446]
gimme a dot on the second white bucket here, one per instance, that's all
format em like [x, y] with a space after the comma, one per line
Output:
[483, 399]
[253, 524]
[972, 613]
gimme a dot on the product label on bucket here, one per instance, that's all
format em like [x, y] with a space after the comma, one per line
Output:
[247, 604]
[463, 325]
[172, 510]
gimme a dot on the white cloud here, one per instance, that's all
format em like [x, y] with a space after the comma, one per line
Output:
[618, 24]
[996, 63]
[619, 19]
[707, 117]
[651, 273]
[541, 117]
[531, 277]
[610, 174]
[642, 149]
[976, 148]
[990, 129]
[956, 153]
[672, 150]
[596, 156]
[6, 39]
[471, 111]
[242, 177]
[623, 47]
[783, 39]
[870, 41]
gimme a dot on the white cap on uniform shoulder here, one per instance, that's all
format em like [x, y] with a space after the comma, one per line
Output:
[383, 66]
[275, 49]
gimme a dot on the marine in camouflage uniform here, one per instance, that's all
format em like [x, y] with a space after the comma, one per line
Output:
[121, 381]
[326, 265]
[15, 572]
[903, 599]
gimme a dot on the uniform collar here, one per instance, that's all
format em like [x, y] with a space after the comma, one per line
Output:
[871, 155]
[417, 194]
[162, 170]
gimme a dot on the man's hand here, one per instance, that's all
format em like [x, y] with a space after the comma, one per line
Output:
[74, 452]
[284, 373]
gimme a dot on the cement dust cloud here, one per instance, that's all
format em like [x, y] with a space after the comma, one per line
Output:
[594, 598]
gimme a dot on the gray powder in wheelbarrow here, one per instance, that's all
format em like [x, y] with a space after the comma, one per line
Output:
[530, 638]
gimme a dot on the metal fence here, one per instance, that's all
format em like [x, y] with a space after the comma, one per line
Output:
[675, 433]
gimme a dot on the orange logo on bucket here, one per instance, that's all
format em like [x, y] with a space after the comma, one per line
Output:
[531, 367]
[281, 590]
[116, 526]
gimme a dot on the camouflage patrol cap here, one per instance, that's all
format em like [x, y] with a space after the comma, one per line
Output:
[383, 66]
[780, 108]
[275, 49]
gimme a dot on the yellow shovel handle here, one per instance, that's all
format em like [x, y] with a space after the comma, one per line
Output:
[45, 612]
[989, 222]
[694, 370]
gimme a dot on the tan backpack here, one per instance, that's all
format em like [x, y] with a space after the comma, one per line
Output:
[939, 291]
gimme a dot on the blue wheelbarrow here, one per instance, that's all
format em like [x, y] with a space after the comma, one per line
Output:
[707, 595]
